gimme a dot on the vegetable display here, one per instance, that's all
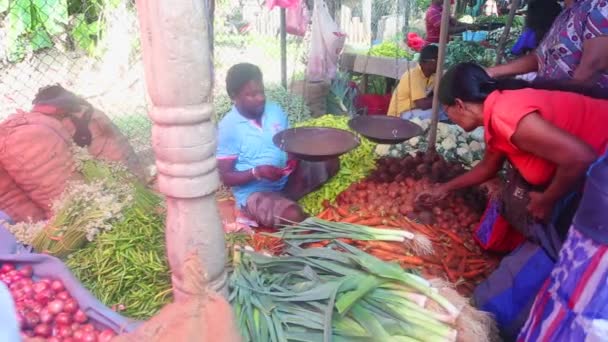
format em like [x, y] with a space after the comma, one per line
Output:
[86, 207]
[518, 21]
[387, 200]
[389, 49]
[459, 51]
[320, 294]
[126, 266]
[396, 183]
[455, 256]
[514, 33]
[79, 214]
[453, 143]
[46, 310]
[354, 165]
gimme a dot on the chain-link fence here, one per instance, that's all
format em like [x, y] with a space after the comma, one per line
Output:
[91, 47]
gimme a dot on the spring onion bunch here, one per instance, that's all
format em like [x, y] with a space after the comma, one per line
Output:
[314, 229]
[322, 294]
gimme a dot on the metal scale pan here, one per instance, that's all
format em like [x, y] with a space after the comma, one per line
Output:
[384, 129]
[315, 143]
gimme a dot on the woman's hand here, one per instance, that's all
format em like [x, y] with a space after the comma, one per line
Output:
[491, 71]
[432, 195]
[540, 207]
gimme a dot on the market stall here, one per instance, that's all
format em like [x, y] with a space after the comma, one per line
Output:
[371, 262]
[366, 65]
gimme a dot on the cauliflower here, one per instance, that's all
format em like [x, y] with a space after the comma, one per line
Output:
[382, 150]
[464, 154]
[414, 141]
[477, 134]
[424, 124]
[443, 131]
[475, 146]
[448, 143]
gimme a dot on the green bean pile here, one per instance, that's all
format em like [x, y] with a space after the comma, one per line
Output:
[127, 265]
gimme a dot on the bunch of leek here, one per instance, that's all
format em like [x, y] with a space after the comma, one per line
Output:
[322, 294]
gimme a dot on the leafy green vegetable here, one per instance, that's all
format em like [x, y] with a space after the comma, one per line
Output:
[389, 49]
[354, 165]
[459, 51]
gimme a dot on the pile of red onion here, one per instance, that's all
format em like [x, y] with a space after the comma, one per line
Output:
[46, 310]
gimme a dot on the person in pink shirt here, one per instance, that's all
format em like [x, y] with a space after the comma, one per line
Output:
[432, 21]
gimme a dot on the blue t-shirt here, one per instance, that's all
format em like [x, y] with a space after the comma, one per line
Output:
[251, 145]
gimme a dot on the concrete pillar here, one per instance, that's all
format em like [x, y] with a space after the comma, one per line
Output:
[179, 77]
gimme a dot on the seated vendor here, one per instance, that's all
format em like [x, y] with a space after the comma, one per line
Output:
[413, 96]
[264, 183]
[38, 156]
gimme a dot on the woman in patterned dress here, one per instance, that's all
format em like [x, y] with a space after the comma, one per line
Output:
[574, 49]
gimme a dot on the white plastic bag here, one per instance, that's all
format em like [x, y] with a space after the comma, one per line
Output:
[326, 44]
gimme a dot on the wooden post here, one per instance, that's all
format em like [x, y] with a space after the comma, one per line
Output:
[443, 42]
[283, 49]
[179, 74]
[406, 17]
[500, 54]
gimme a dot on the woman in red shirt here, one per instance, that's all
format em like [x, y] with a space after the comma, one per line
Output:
[549, 137]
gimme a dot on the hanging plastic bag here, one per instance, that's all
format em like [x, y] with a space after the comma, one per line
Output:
[296, 19]
[326, 44]
[270, 4]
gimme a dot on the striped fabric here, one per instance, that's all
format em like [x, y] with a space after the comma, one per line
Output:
[573, 303]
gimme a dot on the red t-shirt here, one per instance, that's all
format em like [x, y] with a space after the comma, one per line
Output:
[432, 21]
[581, 116]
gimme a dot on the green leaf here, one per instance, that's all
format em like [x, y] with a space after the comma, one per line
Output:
[40, 39]
[86, 34]
[52, 14]
[348, 299]
[19, 19]
[4, 5]
[370, 323]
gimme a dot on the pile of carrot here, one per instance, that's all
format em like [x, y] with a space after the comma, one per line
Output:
[456, 256]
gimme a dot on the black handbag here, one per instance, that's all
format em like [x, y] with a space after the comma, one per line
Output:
[515, 199]
[514, 209]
